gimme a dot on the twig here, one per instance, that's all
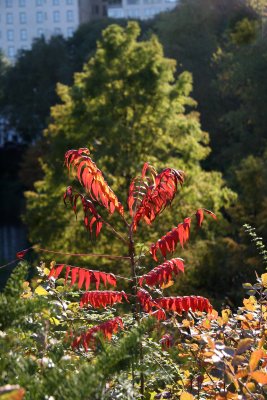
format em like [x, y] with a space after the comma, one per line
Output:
[82, 254]
[11, 262]
[119, 236]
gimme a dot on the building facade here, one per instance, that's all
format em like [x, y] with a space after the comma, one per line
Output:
[21, 21]
[139, 9]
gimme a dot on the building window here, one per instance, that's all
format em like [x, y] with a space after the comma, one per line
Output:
[9, 3]
[56, 16]
[105, 12]
[70, 16]
[95, 9]
[39, 17]
[134, 13]
[22, 3]
[11, 51]
[39, 2]
[40, 32]
[57, 31]
[133, 2]
[23, 34]
[115, 13]
[55, 2]
[22, 18]
[69, 2]
[10, 35]
[9, 18]
[70, 32]
[152, 1]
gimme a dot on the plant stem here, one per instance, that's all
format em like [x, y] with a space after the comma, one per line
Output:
[37, 248]
[119, 236]
[137, 308]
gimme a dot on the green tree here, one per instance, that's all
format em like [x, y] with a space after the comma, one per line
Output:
[191, 34]
[3, 71]
[127, 107]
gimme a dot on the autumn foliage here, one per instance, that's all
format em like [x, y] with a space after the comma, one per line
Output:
[208, 355]
[82, 276]
[149, 194]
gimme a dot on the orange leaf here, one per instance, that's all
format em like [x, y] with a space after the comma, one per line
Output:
[260, 377]
[186, 396]
[255, 359]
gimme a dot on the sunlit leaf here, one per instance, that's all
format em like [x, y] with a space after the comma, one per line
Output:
[260, 377]
[11, 392]
[225, 315]
[255, 359]
[186, 396]
[40, 291]
[264, 279]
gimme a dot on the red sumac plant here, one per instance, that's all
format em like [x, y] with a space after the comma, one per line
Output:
[149, 194]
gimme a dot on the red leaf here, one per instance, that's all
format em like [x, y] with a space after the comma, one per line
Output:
[163, 273]
[56, 271]
[84, 276]
[87, 279]
[98, 299]
[68, 268]
[146, 300]
[210, 213]
[81, 273]
[91, 178]
[108, 328]
[199, 217]
[89, 210]
[22, 253]
[158, 195]
[168, 243]
[160, 315]
[111, 279]
[166, 341]
[74, 272]
[97, 279]
[179, 304]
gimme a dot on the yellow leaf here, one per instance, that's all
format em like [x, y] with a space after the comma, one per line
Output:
[255, 359]
[40, 291]
[186, 323]
[26, 295]
[264, 279]
[46, 271]
[220, 321]
[261, 342]
[225, 315]
[260, 377]
[250, 304]
[166, 285]
[54, 321]
[186, 396]
[232, 396]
